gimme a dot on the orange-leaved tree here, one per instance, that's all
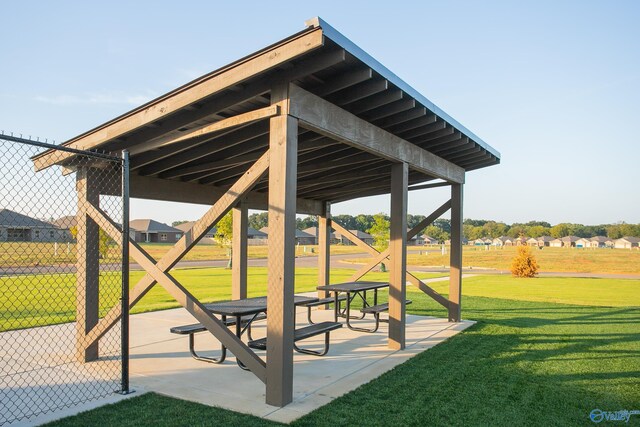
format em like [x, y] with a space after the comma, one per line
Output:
[524, 264]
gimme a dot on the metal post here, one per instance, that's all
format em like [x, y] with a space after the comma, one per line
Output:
[124, 319]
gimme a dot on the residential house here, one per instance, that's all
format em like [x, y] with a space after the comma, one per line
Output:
[151, 231]
[314, 232]
[416, 240]
[482, 242]
[544, 241]
[601, 242]
[16, 227]
[569, 241]
[186, 226]
[627, 242]
[428, 240]
[252, 234]
[365, 237]
[583, 242]
[500, 241]
[556, 243]
[302, 238]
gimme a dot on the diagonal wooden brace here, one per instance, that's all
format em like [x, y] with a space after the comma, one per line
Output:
[184, 297]
[197, 232]
[381, 256]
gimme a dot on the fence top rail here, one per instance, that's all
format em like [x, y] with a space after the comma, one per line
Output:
[50, 146]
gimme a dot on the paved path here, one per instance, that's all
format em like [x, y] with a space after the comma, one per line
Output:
[337, 261]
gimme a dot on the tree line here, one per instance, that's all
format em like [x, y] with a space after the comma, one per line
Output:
[472, 228]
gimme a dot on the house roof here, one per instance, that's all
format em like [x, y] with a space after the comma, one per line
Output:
[630, 239]
[545, 239]
[601, 239]
[426, 237]
[9, 219]
[186, 226]
[321, 61]
[65, 222]
[152, 226]
[314, 232]
[299, 233]
[255, 233]
[570, 239]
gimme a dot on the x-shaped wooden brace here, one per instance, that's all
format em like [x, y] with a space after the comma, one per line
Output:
[381, 256]
[157, 272]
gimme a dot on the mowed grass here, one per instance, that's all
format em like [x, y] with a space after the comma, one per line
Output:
[38, 300]
[524, 363]
[572, 260]
[14, 254]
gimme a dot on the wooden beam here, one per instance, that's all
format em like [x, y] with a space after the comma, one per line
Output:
[239, 251]
[388, 110]
[353, 239]
[432, 185]
[87, 264]
[398, 255]
[189, 151]
[144, 187]
[455, 275]
[325, 118]
[224, 203]
[324, 250]
[189, 94]
[281, 260]
[207, 129]
[344, 80]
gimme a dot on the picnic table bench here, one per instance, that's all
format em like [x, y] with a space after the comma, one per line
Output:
[377, 309]
[304, 333]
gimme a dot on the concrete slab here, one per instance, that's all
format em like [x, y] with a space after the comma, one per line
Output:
[160, 362]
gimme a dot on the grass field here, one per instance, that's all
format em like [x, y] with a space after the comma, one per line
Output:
[13, 254]
[28, 301]
[573, 260]
[524, 363]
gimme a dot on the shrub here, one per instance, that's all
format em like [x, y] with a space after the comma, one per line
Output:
[524, 264]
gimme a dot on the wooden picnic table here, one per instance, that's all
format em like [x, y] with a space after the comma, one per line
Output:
[353, 289]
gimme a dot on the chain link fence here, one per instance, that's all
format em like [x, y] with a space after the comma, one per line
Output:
[61, 272]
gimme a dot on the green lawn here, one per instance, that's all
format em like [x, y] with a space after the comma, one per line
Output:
[37, 300]
[525, 362]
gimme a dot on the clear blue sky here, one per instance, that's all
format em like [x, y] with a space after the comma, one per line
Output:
[554, 86]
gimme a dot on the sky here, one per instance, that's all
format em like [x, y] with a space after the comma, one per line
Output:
[554, 86]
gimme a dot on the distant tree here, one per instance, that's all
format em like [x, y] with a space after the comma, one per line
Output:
[103, 240]
[537, 231]
[258, 220]
[475, 222]
[538, 223]
[443, 224]
[561, 230]
[413, 220]
[306, 222]
[495, 229]
[347, 221]
[363, 222]
[437, 233]
[524, 264]
[517, 230]
[380, 232]
[176, 223]
[224, 234]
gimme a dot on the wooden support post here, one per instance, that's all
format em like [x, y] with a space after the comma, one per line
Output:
[455, 276]
[324, 250]
[283, 144]
[88, 265]
[398, 254]
[239, 251]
